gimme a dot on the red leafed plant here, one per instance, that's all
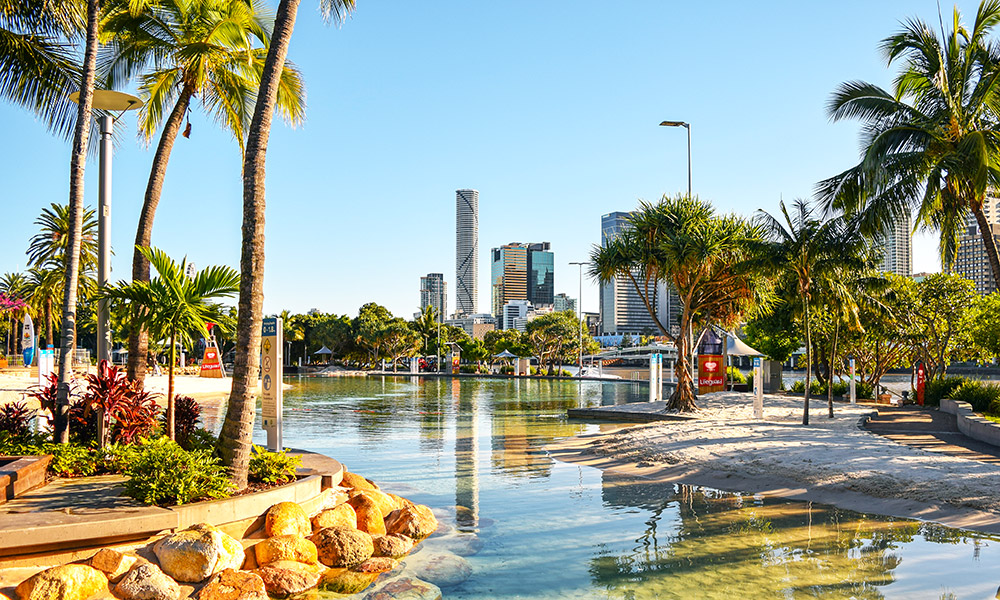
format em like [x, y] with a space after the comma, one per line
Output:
[46, 394]
[128, 412]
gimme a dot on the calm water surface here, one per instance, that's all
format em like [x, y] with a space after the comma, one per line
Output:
[555, 530]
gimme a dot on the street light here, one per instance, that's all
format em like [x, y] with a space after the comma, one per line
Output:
[579, 314]
[114, 102]
[688, 127]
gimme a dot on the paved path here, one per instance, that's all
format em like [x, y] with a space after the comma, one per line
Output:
[931, 430]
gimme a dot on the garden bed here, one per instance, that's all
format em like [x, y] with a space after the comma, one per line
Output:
[19, 474]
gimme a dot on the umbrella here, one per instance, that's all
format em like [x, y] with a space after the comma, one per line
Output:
[505, 354]
[736, 347]
[323, 350]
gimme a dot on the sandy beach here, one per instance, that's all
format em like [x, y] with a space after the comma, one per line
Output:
[832, 460]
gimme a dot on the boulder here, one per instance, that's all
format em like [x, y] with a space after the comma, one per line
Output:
[285, 547]
[415, 521]
[286, 518]
[197, 553]
[65, 582]
[343, 546]
[345, 581]
[443, 569]
[393, 545]
[384, 501]
[147, 582]
[353, 480]
[379, 564]
[286, 578]
[405, 588]
[234, 585]
[400, 501]
[114, 564]
[369, 515]
[342, 515]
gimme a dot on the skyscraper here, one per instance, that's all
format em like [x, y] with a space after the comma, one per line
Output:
[622, 308]
[466, 251]
[522, 272]
[970, 259]
[897, 248]
[434, 292]
[541, 274]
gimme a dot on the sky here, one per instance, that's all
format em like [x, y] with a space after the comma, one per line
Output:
[549, 109]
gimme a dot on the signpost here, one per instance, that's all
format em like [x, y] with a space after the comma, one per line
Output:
[921, 380]
[271, 397]
[758, 389]
[854, 387]
[710, 373]
[653, 378]
[659, 377]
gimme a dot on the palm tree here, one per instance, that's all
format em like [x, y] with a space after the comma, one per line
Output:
[182, 50]
[426, 325]
[680, 241]
[235, 439]
[932, 143]
[806, 249]
[13, 287]
[174, 304]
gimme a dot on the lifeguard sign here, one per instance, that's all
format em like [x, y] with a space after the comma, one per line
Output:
[710, 364]
[211, 364]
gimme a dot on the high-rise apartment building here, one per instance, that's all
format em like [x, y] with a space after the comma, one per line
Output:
[466, 251]
[897, 248]
[434, 293]
[970, 259]
[563, 302]
[522, 272]
[622, 308]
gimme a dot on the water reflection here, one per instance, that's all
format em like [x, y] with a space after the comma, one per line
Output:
[466, 458]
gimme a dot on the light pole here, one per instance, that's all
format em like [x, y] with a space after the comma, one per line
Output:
[688, 127]
[579, 314]
[114, 102]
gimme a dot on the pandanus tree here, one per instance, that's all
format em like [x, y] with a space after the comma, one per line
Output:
[173, 305]
[931, 144]
[235, 439]
[681, 242]
[183, 51]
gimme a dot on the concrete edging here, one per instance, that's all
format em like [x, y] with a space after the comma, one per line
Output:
[970, 423]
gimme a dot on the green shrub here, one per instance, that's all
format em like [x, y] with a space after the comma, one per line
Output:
[799, 387]
[71, 460]
[936, 389]
[978, 394]
[163, 473]
[735, 375]
[200, 439]
[994, 409]
[865, 390]
[272, 467]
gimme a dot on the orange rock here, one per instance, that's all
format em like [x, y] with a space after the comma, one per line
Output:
[353, 480]
[342, 515]
[369, 515]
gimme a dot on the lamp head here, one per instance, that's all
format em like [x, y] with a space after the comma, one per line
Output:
[673, 124]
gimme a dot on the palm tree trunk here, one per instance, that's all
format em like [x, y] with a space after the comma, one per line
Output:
[833, 361]
[49, 325]
[235, 440]
[138, 339]
[805, 406]
[986, 232]
[78, 163]
[170, 382]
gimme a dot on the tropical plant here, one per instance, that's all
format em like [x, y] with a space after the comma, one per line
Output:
[426, 326]
[398, 341]
[682, 242]
[806, 250]
[182, 50]
[13, 290]
[173, 305]
[15, 419]
[931, 144]
[940, 313]
[187, 414]
[237, 429]
[163, 473]
[272, 468]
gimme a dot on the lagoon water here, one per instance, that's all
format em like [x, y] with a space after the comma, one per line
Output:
[554, 530]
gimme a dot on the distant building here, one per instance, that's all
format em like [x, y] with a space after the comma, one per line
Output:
[522, 272]
[897, 248]
[466, 251]
[970, 260]
[563, 302]
[515, 309]
[622, 308]
[475, 325]
[434, 293]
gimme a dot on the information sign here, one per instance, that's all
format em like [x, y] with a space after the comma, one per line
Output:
[710, 373]
[758, 388]
[270, 381]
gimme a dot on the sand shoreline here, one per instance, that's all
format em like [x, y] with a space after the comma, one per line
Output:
[831, 461]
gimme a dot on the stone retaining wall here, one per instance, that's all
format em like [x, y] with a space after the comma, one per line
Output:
[971, 423]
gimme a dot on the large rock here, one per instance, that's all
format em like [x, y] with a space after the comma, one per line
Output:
[286, 578]
[380, 564]
[286, 518]
[65, 582]
[342, 515]
[114, 564]
[392, 545]
[400, 501]
[383, 501]
[285, 547]
[405, 588]
[415, 521]
[370, 517]
[197, 553]
[234, 585]
[343, 546]
[345, 581]
[147, 582]
[443, 569]
[353, 480]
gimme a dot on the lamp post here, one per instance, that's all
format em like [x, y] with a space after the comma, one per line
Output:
[688, 127]
[579, 314]
[113, 102]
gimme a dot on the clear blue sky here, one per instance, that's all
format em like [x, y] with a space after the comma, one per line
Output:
[549, 109]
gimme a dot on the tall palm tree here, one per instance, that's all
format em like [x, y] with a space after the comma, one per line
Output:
[174, 304]
[682, 242]
[45, 285]
[184, 50]
[426, 325]
[13, 286]
[931, 144]
[235, 439]
[805, 249]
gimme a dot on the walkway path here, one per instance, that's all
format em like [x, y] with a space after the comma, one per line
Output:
[931, 430]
